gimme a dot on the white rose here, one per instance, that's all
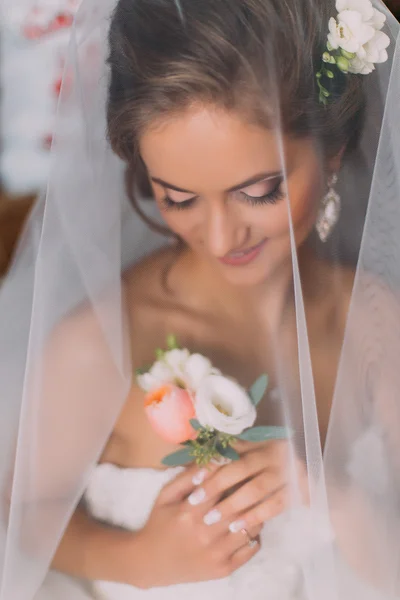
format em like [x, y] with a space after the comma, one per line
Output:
[349, 31]
[224, 405]
[176, 361]
[197, 368]
[159, 375]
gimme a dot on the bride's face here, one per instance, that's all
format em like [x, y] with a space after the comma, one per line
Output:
[220, 185]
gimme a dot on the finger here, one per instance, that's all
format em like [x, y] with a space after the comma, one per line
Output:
[185, 483]
[232, 542]
[264, 511]
[249, 494]
[226, 477]
[243, 555]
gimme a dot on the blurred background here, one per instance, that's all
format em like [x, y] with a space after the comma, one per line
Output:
[34, 36]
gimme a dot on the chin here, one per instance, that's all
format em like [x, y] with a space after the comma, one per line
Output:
[264, 268]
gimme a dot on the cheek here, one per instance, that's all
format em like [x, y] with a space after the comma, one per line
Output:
[184, 223]
[302, 201]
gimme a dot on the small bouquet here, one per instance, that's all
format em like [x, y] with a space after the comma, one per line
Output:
[189, 402]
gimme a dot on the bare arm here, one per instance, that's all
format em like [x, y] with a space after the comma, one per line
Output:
[73, 396]
[90, 550]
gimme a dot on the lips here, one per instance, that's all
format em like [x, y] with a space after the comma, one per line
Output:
[243, 257]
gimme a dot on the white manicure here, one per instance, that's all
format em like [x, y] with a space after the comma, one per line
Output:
[221, 461]
[197, 497]
[199, 477]
[237, 526]
[214, 516]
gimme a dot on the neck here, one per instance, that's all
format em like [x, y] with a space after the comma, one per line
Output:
[267, 300]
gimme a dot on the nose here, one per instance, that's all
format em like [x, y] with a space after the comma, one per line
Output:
[225, 229]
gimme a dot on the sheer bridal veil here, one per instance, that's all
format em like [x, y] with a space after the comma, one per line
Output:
[64, 378]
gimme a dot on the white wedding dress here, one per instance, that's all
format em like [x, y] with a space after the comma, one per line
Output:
[124, 498]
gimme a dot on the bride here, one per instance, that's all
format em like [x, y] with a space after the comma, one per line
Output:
[253, 135]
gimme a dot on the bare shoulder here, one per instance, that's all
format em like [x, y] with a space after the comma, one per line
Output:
[84, 328]
[83, 335]
[144, 281]
[152, 308]
[146, 310]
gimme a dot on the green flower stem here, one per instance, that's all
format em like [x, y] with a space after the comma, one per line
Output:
[335, 57]
[205, 447]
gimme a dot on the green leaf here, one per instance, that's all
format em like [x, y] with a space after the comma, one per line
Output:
[188, 443]
[261, 434]
[181, 457]
[228, 452]
[195, 424]
[172, 342]
[258, 389]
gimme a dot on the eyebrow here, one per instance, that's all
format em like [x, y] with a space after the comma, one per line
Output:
[235, 188]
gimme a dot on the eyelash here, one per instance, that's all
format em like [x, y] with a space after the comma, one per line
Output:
[271, 198]
[169, 204]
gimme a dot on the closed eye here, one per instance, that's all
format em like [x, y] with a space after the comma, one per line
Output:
[169, 204]
[267, 191]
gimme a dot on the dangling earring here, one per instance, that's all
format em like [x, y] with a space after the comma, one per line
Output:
[329, 211]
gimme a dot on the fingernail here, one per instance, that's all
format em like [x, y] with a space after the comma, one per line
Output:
[237, 526]
[197, 497]
[199, 477]
[214, 516]
[221, 461]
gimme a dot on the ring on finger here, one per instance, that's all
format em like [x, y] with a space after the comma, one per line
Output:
[251, 542]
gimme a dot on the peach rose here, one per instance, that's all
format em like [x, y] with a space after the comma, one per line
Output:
[169, 410]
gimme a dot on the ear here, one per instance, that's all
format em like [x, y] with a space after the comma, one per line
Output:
[335, 162]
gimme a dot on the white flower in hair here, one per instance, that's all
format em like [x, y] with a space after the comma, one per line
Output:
[356, 30]
[349, 31]
[372, 53]
[355, 42]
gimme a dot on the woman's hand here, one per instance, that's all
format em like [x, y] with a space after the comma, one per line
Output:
[253, 489]
[205, 523]
[177, 546]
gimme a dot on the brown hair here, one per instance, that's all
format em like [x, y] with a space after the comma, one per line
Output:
[256, 56]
